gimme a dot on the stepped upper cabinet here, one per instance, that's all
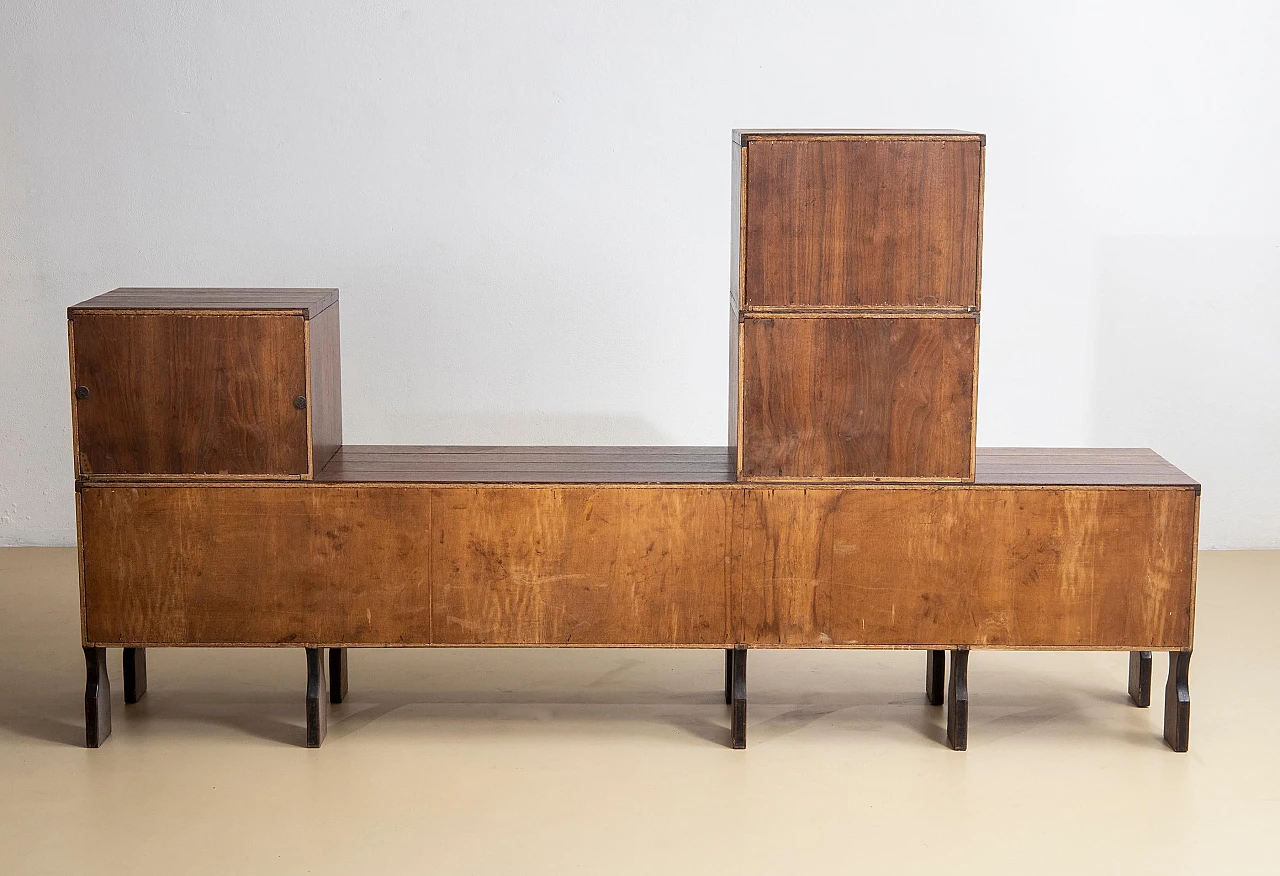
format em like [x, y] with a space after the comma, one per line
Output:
[205, 383]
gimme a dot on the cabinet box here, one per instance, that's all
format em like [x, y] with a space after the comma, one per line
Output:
[857, 397]
[858, 220]
[205, 383]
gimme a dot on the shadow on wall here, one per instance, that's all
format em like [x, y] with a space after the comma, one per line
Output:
[1188, 363]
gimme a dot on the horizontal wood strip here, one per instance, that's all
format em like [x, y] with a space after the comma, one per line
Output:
[526, 450]
[308, 301]
[677, 465]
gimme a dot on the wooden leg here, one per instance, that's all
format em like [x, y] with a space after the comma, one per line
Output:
[97, 698]
[958, 701]
[135, 674]
[935, 676]
[317, 699]
[728, 676]
[1177, 702]
[738, 732]
[337, 674]
[1140, 678]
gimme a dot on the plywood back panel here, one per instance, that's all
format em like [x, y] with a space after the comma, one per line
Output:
[980, 566]
[859, 397]
[255, 565]
[838, 222]
[581, 565]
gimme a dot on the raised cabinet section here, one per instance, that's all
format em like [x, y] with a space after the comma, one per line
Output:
[858, 397]
[848, 220]
[1060, 567]
[205, 383]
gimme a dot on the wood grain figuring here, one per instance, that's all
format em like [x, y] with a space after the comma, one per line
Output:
[976, 566]
[859, 397]
[1028, 466]
[856, 223]
[338, 565]
[529, 465]
[255, 565]
[305, 302]
[598, 566]
[184, 394]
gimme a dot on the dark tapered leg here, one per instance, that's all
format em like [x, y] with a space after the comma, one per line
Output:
[337, 674]
[97, 698]
[1140, 678]
[317, 699]
[135, 674]
[739, 720]
[728, 676]
[958, 701]
[1177, 702]
[935, 676]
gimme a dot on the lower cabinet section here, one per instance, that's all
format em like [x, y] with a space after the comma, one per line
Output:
[405, 565]
[673, 565]
[259, 565]
[1079, 567]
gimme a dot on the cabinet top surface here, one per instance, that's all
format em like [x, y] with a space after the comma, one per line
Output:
[1004, 466]
[307, 302]
[742, 136]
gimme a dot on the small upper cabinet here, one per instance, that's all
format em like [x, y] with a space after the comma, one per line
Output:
[206, 382]
[859, 220]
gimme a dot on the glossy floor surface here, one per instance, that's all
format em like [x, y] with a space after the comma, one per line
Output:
[597, 761]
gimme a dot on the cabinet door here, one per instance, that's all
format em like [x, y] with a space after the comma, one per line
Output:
[885, 223]
[858, 397]
[190, 394]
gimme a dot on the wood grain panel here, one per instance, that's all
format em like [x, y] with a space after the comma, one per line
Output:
[863, 222]
[977, 566]
[325, 397]
[581, 566]
[556, 465]
[884, 398]
[190, 394]
[306, 302]
[255, 565]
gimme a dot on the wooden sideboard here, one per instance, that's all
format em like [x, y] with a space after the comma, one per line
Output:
[217, 505]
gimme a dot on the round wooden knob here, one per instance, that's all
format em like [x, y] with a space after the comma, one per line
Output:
[300, 402]
[82, 392]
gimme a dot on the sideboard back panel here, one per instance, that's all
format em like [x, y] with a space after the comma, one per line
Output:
[1083, 567]
[863, 222]
[580, 565]
[255, 565]
[406, 565]
[1104, 563]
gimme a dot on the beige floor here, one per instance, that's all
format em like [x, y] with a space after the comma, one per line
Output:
[581, 761]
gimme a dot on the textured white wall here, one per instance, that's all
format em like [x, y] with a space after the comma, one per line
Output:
[526, 207]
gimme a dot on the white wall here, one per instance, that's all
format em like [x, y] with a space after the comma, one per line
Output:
[527, 208]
